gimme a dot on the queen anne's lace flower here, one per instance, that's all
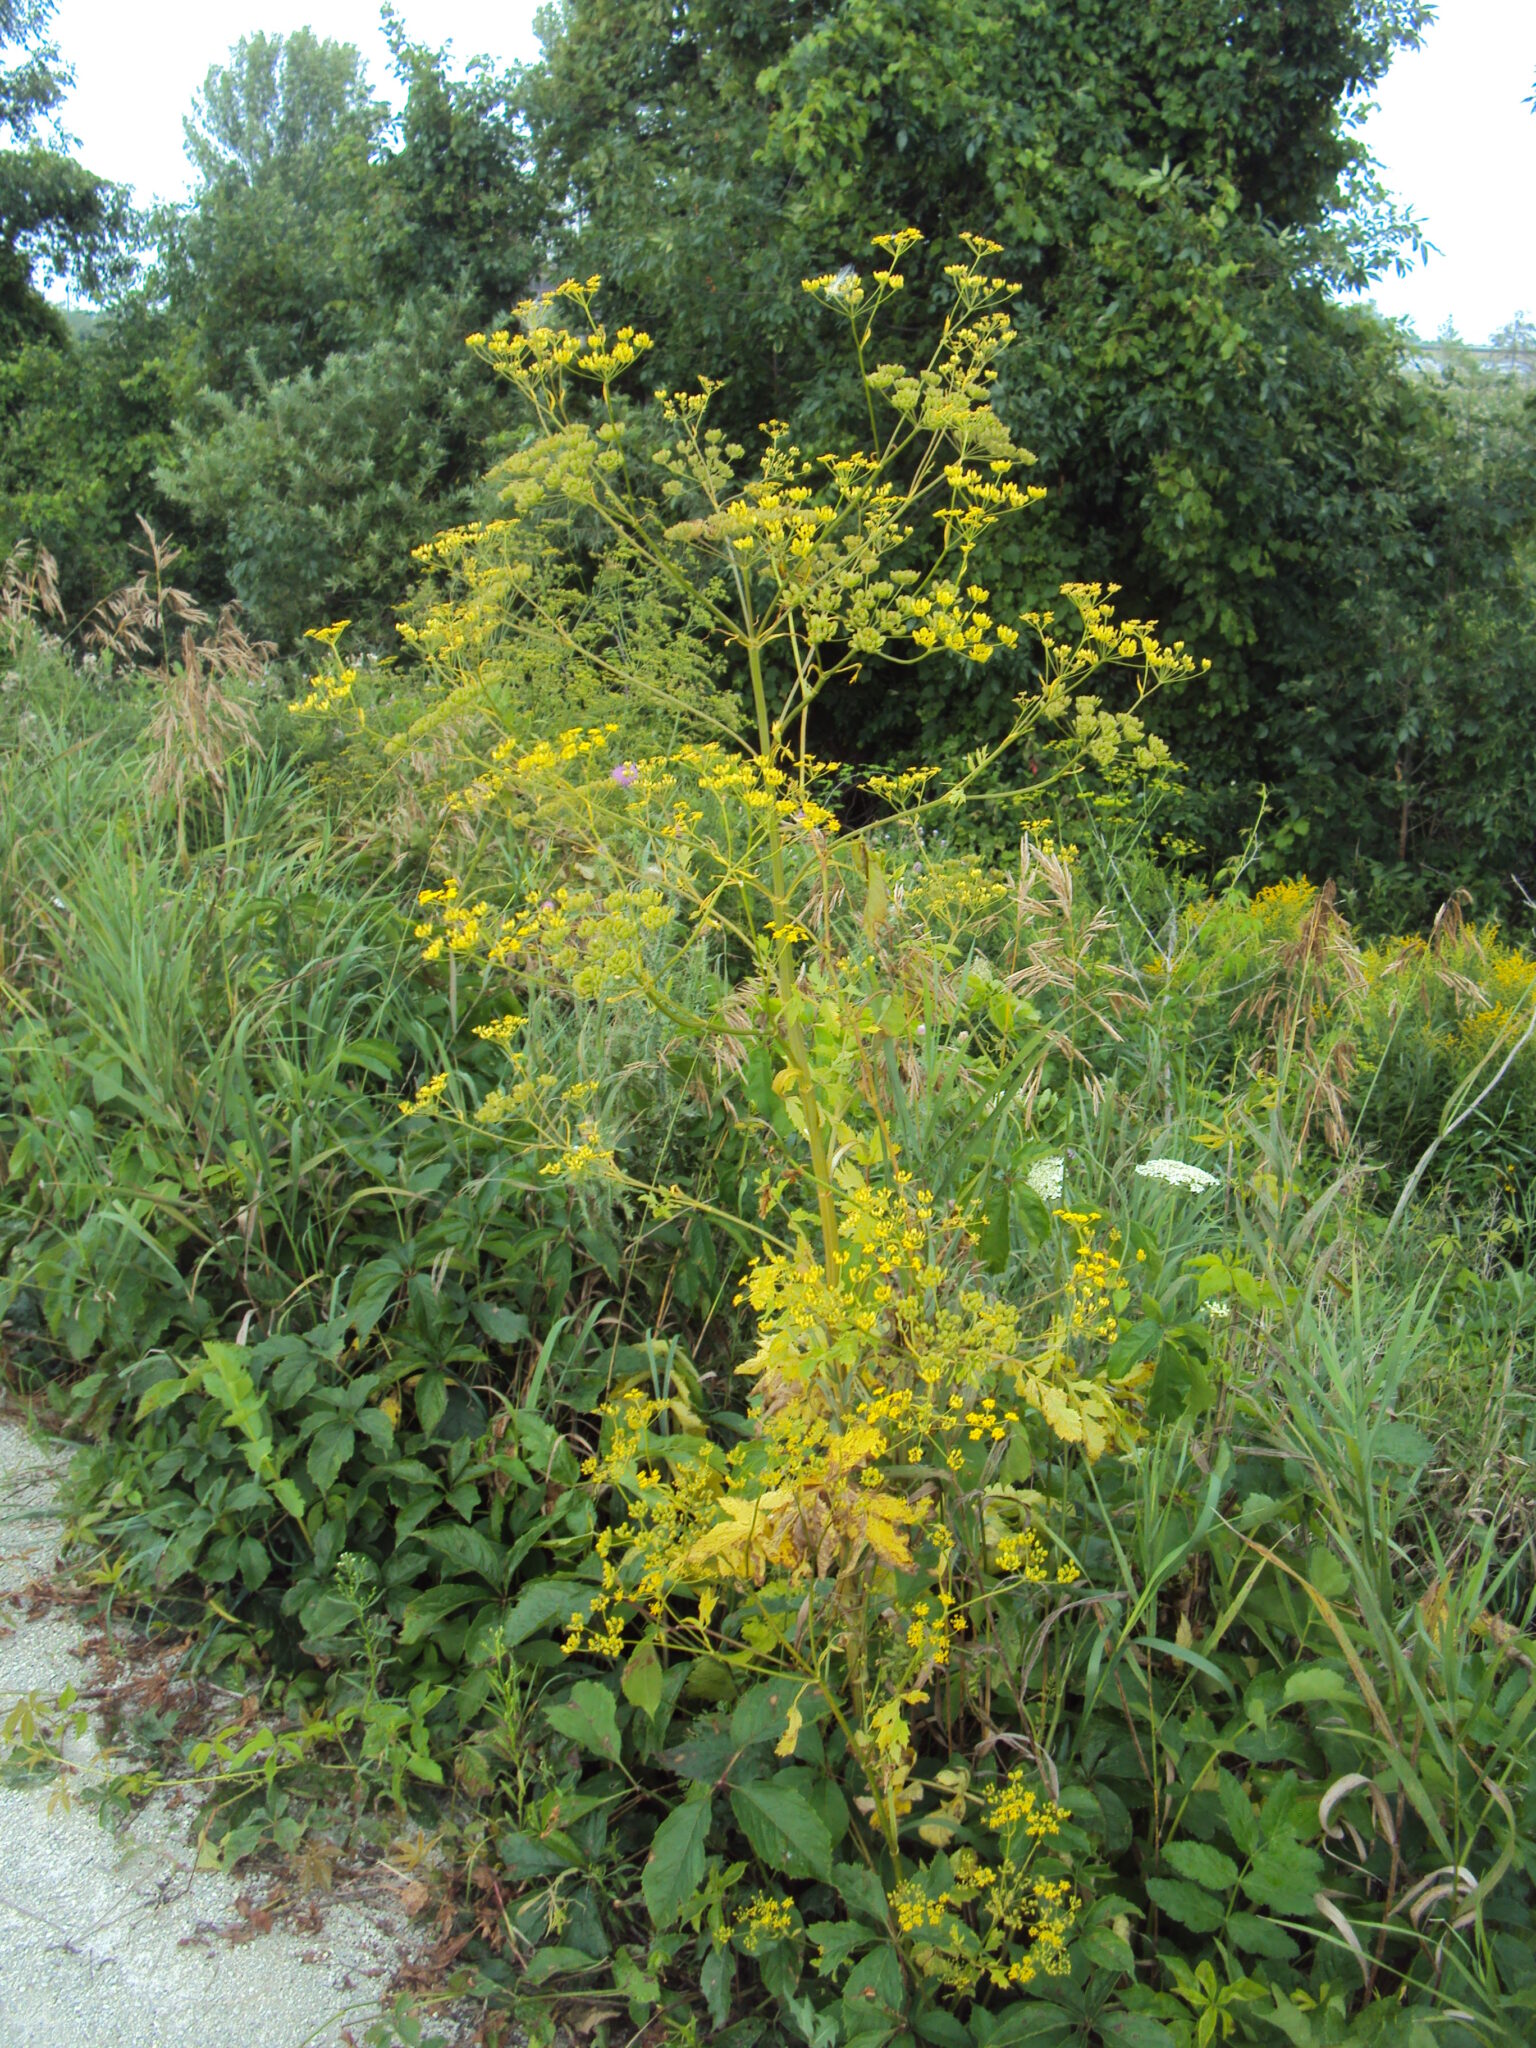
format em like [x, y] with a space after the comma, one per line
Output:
[1046, 1177]
[1178, 1174]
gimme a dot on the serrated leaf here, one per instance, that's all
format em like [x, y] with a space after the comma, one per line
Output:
[467, 1549]
[644, 1679]
[1187, 1903]
[589, 1717]
[329, 1451]
[1202, 1865]
[1258, 1937]
[838, 1942]
[1284, 1876]
[1317, 1682]
[674, 1869]
[784, 1829]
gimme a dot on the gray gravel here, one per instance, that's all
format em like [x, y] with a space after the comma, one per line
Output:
[116, 1941]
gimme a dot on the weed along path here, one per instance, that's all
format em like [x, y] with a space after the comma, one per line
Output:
[117, 1940]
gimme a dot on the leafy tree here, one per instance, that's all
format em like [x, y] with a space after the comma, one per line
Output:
[84, 420]
[326, 273]
[269, 267]
[316, 486]
[1184, 193]
[57, 221]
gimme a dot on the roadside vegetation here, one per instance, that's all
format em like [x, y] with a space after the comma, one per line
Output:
[890, 1412]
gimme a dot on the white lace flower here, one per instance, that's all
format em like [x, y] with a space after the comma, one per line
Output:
[1178, 1174]
[1047, 1176]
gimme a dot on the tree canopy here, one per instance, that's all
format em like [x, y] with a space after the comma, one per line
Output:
[57, 221]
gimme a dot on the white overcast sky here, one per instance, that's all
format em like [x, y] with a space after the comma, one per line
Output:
[1452, 131]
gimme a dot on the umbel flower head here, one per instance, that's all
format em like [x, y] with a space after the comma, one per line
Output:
[1178, 1174]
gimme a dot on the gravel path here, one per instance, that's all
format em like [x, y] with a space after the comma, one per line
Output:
[116, 1941]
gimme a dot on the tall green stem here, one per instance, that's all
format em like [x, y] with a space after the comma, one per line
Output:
[784, 969]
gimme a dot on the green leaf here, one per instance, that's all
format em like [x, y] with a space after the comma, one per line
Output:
[543, 1604]
[762, 1714]
[784, 1829]
[1192, 1908]
[501, 1325]
[1261, 1938]
[838, 1941]
[558, 1962]
[874, 1996]
[1135, 2030]
[1317, 1682]
[717, 1981]
[995, 1240]
[940, 2027]
[427, 1609]
[1237, 1811]
[255, 1564]
[163, 1393]
[288, 1496]
[329, 1451]
[674, 1869]
[431, 1400]
[644, 1679]
[588, 1716]
[1202, 1865]
[859, 1891]
[468, 1550]
[1284, 1876]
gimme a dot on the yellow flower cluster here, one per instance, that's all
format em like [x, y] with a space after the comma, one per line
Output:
[587, 1160]
[955, 621]
[1097, 1284]
[426, 1098]
[502, 1030]
[1015, 1804]
[1025, 1552]
[326, 693]
[455, 925]
[928, 1634]
[765, 1917]
[1022, 1922]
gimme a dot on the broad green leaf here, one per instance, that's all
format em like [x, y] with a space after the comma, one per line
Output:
[784, 1829]
[674, 1869]
[874, 1996]
[431, 1400]
[1187, 1903]
[717, 1981]
[1284, 1876]
[427, 1609]
[501, 1325]
[644, 1679]
[543, 1604]
[467, 1549]
[1317, 1682]
[328, 1452]
[1202, 1865]
[588, 1716]
[1261, 1938]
